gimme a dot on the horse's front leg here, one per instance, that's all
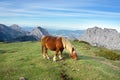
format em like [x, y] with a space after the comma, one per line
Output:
[43, 52]
[55, 56]
[60, 54]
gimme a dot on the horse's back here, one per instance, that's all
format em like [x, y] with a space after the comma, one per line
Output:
[48, 39]
[52, 42]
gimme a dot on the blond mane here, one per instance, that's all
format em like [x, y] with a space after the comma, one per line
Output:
[66, 44]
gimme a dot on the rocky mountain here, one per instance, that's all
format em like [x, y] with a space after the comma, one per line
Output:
[38, 32]
[8, 33]
[16, 33]
[108, 38]
[18, 28]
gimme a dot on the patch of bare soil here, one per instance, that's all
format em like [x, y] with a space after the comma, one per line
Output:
[63, 74]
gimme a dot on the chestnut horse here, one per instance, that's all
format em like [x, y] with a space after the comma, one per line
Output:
[57, 44]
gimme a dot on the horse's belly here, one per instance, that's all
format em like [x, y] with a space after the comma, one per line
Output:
[51, 47]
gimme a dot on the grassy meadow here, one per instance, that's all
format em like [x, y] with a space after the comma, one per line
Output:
[24, 59]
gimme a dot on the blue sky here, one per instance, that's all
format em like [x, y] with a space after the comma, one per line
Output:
[61, 14]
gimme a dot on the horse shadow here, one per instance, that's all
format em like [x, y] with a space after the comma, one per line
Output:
[7, 51]
[87, 57]
[82, 57]
[2, 51]
[66, 56]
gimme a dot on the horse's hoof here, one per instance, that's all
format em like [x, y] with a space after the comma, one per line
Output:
[54, 60]
[44, 56]
[22, 78]
[61, 58]
[48, 58]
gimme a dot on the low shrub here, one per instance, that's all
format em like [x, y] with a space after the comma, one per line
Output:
[85, 42]
[109, 54]
[76, 40]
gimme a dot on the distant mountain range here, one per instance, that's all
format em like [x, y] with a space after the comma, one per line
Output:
[16, 33]
[96, 36]
[71, 34]
[108, 38]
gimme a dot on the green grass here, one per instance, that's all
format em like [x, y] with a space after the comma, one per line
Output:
[25, 59]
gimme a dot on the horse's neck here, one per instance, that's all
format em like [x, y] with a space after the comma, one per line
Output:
[67, 44]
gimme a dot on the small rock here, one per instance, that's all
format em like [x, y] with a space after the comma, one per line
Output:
[22, 78]
[73, 69]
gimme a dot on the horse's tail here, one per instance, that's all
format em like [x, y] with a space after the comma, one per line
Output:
[42, 42]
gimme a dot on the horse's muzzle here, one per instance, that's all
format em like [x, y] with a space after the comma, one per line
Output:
[74, 56]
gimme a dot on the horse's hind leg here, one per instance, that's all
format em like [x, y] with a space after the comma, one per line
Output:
[45, 54]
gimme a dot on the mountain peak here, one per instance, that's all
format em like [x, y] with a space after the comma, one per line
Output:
[39, 31]
[39, 27]
[2, 26]
[16, 27]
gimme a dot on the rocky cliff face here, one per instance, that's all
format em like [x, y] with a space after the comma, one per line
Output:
[108, 38]
[38, 32]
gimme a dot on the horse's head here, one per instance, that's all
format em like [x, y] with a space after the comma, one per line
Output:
[73, 54]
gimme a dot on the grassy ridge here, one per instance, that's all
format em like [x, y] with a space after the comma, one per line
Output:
[25, 59]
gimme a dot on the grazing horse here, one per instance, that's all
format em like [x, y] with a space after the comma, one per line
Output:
[57, 44]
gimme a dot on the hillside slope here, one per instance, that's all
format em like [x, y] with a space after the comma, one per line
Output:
[25, 59]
